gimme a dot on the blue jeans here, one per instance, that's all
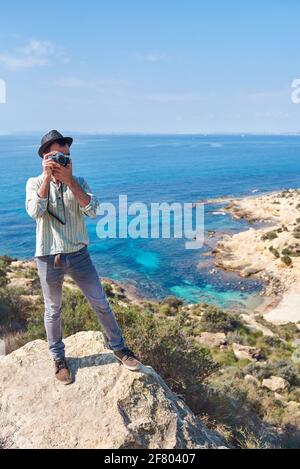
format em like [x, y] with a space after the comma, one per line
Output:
[81, 269]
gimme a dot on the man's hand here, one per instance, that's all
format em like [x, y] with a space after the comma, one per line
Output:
[49, 165]
[63, 173]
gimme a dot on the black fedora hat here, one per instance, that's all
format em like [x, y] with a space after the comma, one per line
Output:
[50, 138]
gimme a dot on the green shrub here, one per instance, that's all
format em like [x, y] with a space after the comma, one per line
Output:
[172, 301]
[273, 342]
[237, 337]
[216, 320]
[162, 344]
[3, 278]
[108, 289]
[269, 236]
[5, 261]
[274, 251]
[296, 356]
[225, 358]
[77, 314]
[292, 251]
[31, 273]
[250, 440]
[14, 311]
[287, 260]
[288, 331]
[282, 368]
[285, 369]
[244, 336]
[20, 315]
[165, 309]
[259, 370]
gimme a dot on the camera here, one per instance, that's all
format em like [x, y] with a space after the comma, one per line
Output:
[60, 158]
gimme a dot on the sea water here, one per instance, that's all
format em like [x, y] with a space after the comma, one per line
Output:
[156, 168]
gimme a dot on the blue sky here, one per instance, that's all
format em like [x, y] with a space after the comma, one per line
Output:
[156, 67]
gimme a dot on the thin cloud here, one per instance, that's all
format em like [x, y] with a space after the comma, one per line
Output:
[177, 98]
[98, 84]
[274, 114]
[38, 48]
[34, 54]
[269, 95]
[151, 57]
[74, 83]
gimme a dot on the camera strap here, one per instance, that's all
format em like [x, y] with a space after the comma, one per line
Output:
[53, 214]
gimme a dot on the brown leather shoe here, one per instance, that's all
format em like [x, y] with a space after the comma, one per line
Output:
[62, 372]
[128, 359]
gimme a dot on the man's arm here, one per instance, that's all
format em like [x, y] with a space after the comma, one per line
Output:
[36, 205]
[44, 188]
[81, 196]
[90, 210]
[37, 197]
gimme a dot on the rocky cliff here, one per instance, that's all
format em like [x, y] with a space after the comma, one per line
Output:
[106, 407]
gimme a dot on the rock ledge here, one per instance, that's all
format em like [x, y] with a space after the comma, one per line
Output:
[106, 407]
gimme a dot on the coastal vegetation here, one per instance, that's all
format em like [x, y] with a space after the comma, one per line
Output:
[241, 381]
[269, 236]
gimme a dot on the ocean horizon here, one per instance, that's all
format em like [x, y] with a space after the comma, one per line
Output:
[156, 168]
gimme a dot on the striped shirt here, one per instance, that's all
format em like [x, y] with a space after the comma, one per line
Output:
[52, 237]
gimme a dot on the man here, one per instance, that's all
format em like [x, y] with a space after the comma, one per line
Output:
[58, 201]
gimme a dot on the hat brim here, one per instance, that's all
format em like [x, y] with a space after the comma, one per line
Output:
[68, 140]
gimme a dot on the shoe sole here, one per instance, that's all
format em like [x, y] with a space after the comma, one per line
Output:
[65, 383]
[128, 367]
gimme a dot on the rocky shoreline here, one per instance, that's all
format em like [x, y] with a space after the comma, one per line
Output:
[270, 252]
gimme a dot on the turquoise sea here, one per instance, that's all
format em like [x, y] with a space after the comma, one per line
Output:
[156, 168]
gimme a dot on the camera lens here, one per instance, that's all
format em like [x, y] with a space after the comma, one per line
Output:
[62, 160]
